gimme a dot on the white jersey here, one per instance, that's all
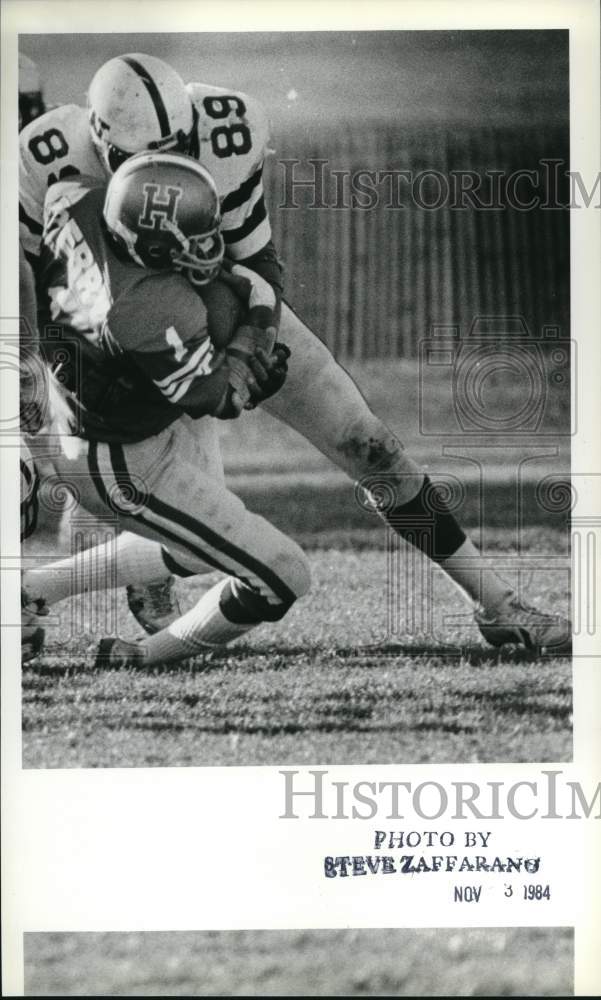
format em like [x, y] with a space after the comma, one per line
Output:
[231, 142]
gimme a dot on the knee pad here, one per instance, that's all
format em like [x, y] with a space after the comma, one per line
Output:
[244, 605]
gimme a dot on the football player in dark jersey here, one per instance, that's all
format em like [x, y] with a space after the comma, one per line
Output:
[124, 266]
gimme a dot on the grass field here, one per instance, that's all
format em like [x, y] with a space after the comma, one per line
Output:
[352, 674]
[328, 684]
[497, 962]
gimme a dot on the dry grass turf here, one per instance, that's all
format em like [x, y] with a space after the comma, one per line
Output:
[328, 684]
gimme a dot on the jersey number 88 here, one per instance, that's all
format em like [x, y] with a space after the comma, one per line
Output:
[228, 139]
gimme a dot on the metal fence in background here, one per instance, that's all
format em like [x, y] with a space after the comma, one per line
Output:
[373, 281]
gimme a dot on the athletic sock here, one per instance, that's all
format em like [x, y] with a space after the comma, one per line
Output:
[475, 576]
[426, 523]
[127, 559]
[202, 628]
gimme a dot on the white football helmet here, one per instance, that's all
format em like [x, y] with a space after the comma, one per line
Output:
[137, 102]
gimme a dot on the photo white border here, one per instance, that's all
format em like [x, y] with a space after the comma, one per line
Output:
[36, 802]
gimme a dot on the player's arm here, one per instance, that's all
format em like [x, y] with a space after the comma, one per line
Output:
[161, 325]
[40, 144]
[46, 155]
[245, 222]
[174, 351]
[185, 377]
[52, 265]
[60, 197]
[203, 383]
[247, 234]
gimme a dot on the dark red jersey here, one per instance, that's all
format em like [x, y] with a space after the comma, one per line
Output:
[136, 341]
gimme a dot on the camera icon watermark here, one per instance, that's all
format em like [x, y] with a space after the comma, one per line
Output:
[498, 381]
[530, 556]
[84, 566]
[25, 363]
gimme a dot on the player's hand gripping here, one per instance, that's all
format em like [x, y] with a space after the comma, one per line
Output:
[270, 371]
[255, 372]
[260, 299]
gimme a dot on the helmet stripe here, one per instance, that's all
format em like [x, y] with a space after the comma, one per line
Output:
[154, 94]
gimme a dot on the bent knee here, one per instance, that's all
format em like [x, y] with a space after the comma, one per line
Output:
[292, 580]
[295, 571]
[270, 598]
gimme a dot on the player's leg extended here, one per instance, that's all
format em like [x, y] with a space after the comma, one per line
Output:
[124, 559]
[322, 402]
[142, 565]
[161, 490]
[204, 525]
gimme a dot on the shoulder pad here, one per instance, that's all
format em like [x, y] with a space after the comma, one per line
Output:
[233, 134]
[53, 147]
[66, 117]
[142, 316]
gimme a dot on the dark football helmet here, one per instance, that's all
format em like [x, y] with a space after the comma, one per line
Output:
[162, 209]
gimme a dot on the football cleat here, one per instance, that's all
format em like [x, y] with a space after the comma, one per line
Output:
[116, 654]
[32, 632]
[155, 606]
[520, 624]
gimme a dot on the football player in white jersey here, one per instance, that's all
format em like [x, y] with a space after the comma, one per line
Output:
[137, 102]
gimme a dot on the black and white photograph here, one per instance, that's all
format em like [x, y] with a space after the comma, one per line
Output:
[296, 390]
[322, 513]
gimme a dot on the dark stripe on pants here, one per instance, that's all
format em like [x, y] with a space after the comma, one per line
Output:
[206, 534]
[96, 476]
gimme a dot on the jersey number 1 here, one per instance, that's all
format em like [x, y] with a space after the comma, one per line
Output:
[175, 341]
